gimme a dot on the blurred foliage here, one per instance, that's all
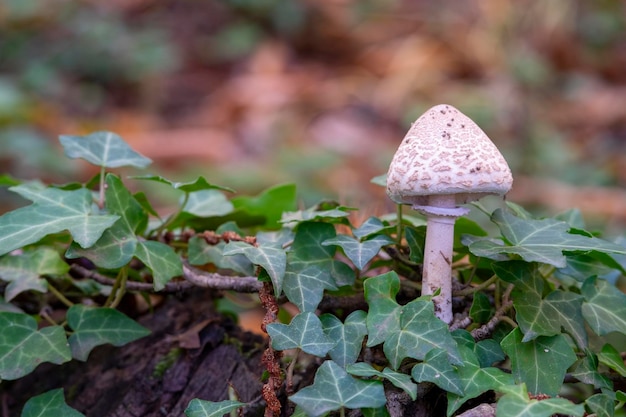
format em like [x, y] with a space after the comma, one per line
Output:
[267, 91]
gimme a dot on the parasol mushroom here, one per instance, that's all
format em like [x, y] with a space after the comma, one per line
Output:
[444, 160]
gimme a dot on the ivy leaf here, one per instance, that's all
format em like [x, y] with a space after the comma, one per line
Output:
[602, 405]
[52, 211]
[333, 389]
[349, 336]
[539, 316]
[305, 332]
[270, 204]
[586, 371]
[481, 309]
[23, 271]
[604, 307]
[400, 380]
[322, 213]
[97, 326]
[207, 203]
[416, 239]
[162, 260]
[23, 347]
[539, 240]
[117, 245]
[359, 252]
[437, 369]
[475, 380]
[198, 184]
[51, 403]
[201, 408]
[272, 259]
[103, 149]
[369, 227]
[541, 363]
[411, 330]
[201, 253]
[311, 267]
[610, 357]
[516, 403]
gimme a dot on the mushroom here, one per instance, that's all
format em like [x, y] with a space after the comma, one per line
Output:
[444, 160]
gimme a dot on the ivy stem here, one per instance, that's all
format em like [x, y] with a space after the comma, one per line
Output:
[101, 197]
[59, 295]
[473, 290]
[173, 216]
[290, 369]
[113, 300]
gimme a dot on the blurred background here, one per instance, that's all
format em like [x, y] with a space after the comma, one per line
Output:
[252, 93]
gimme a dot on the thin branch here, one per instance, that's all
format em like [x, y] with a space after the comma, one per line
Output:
[193, 278]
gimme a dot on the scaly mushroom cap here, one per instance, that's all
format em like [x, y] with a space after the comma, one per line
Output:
[445, 152]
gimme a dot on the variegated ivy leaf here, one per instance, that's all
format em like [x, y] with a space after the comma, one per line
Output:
[517, 403]
[349, 336]
[539, 316]
[541, 363]
[305, 332]
[604, 307]
[398, 379]
[24, 271]
[408, 331]
[333, 389]
[539, 240]
[271, 258]
[103, 149]
[53, 210]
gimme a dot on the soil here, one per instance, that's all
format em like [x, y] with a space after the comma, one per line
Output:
[193, 352]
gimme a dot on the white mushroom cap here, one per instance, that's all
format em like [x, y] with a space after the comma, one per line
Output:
[445, 153]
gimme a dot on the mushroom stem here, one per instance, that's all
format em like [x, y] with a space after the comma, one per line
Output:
[441, 213]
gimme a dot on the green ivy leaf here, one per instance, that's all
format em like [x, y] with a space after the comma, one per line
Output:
[371, 226]
[162, 260]
[416, 239]
[305, 332]
[538, 316]
[201, 408]
[315, 214]
[516, 403]
[23, 347]
[400, 380]
[586, 371]
[97, 326]
[481, 309]
[437, 369]
[604, 307]
[488, 351]
[270, 204]
[311, 267]
[474, 379]
[201, 253]
[601, 405]
[198, 184]
[51, 403]
[359, 252]
[52, 211]
[272, 259]
[611, 357]
[333, 389]
[103, 149]
[541, 363]
[411, 330]
[23, 271]
[349, 336]
[207, 203]
[117, 245]
[539, 240]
